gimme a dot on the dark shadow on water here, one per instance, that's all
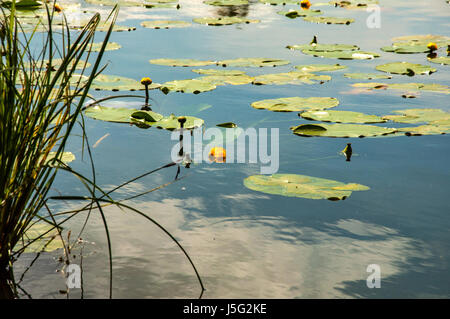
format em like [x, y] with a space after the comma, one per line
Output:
[235, 11]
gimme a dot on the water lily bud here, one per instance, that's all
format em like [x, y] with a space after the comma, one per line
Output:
[305, 4]
[218, 154]
[146, 81]
[57, 7]
[432, 46]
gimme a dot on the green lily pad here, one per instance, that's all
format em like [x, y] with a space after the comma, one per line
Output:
[226, 2]
[318, 47]
[418, 116]
[171, 123]
[296, 104]
[187, 86]
[227, 79]
[343, 55]
[282, 2]
[406, 48]
[252, 62]
[428, 129]
[165, 24]
[218, 72]
[444, 60]
[110, 46]
[290, 78]
[405, 68]
[181, 62]
[422, 39]
[299, 13]
[353, 4]
[366, 76]
[437, 88]
[320, 67]
[119, 114]
[329, 20]
[49, 242]
[119, 83]
[134, 3]
[294, 185]
[227, 125]
[224, 21]
[56, 63]
[341, 117]
[341, 130]
[66, 157]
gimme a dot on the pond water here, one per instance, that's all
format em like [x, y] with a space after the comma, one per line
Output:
[249, 244]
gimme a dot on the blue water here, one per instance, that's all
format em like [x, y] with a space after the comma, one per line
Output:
[247, 244]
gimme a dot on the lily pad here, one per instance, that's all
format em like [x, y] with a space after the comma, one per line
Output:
[49, 242]
[134, 3]
[318, 47]
[444, 60]
[299, 13]
[187, 86]
[366, 76]
[418, 115]
[227, 79]
[353, 4]
[297, 78]
[218, 72]
[165, 24]
[341, 130]
[118, 114]
[428, 129]
[119, 83]
[296, 104]
[406, 48]
[224, 21]
[181, 62]
[433, 87]
[343, 55]
[293, 185]
[422, 39]
[329, 20]
[226, 2]
[252, 62]
[341, 117]
[405, 68]
[56, 63]
[320, 67]
[110, 46]
[282, 2]
[66, 157]
[171, 123]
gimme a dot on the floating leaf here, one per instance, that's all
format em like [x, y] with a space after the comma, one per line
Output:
[418, 115]
[343, 55]
[422, 39]
[49, 242]
[318, 47]
[171, 123]
[341, 117]
[181, 62]
[135, 3]
[252, 62]
[320, 67]
[110, 46]
[56, 63]
[444, 60]
[227, 125]
[293, 185]
[405, 68]
[341, 130]
[296, 104]
[119, 83]
[366, 76]
[428, 129]
[329, 20]
[224, 21]
[66, 157]
[187, 86]
[290, 78]
[353, 4]
[406, 48]
[282, 2]
[299, 13]
[218, 72]
[227, 79]
[118, 114]
[438, 88]
[226, 2]
[165, 24]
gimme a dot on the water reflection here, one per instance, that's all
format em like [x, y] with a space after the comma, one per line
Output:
[237, 257]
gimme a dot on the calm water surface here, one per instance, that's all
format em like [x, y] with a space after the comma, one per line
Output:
[254, 245]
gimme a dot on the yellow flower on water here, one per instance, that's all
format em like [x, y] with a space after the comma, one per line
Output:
[432, 46]
[57, 8]
[217, 154]
[146, 81]
[305, 4]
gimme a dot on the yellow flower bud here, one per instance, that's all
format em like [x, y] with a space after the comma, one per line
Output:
[57, 8]
[432, 46]
[146, 81]
[305, 4]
